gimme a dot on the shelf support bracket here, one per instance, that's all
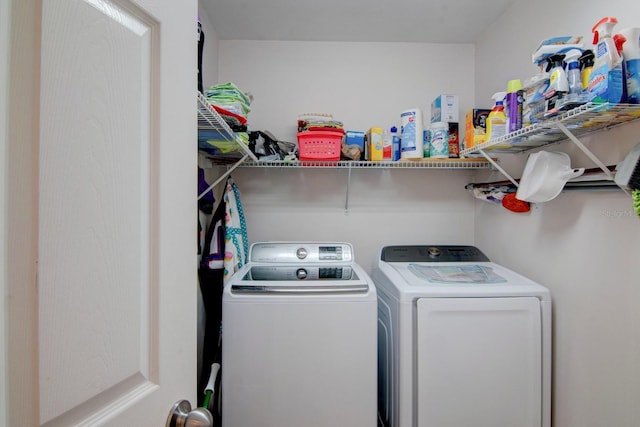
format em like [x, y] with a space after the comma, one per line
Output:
[223, 176]
[585, 150]
[589, 154]
[497, 166]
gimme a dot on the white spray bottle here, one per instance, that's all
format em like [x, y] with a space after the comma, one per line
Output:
[573, 73]
[605, 81]
[557, 77]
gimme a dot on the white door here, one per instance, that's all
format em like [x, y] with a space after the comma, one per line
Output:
[101, 176]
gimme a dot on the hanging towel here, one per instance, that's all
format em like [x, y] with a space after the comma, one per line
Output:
[236, 245]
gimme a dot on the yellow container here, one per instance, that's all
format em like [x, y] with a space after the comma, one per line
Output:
[374, 139]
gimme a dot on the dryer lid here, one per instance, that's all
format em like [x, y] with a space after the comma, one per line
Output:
[400, 279]
[465, 273]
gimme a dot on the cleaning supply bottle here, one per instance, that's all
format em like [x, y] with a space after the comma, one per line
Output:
[573, 73]
[631, 61]
[558, 77]
[618, 41]
[497, 120]
[558, 84]
[605, 82]
[395, 148]
[439, 140]
[387, 144]
[513, 105]
[586, 65]
[411, 137]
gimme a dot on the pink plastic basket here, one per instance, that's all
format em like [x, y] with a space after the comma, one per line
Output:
[320, 145]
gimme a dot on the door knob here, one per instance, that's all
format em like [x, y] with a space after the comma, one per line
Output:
[181, 415]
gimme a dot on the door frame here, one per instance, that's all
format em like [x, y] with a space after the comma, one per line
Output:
[19, 79]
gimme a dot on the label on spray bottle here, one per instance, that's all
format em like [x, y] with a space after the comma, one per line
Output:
[605, 81]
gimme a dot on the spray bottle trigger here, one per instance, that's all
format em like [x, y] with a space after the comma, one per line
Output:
[595, 37]
[619, 40]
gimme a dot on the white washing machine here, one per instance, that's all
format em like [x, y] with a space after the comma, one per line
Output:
[299, 339]
[463, 342]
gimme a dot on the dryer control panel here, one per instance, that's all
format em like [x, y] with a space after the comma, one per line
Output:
[432, 253]
[300, 252]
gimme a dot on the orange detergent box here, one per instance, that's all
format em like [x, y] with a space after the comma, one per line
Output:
[475, 127]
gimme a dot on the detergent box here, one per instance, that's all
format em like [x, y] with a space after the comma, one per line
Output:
[357, 138]
[354, 137]
[374, 139]
[475, 127]
[445, 109]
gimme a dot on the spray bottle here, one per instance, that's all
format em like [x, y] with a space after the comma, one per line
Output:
[573, 73]
[618, 40]
[497, 120]
[586, 65]
[605, 82]
[558, 77]
[558, 84]
[631, 60]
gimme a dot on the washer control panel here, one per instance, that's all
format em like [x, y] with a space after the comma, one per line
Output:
[300, 252]
[306, 272]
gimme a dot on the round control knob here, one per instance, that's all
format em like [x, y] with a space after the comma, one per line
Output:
[302, 253]
[433, 252]
[301, 274]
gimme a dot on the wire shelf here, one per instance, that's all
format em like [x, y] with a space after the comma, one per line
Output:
[213, 126]
[467, 163]
[581, 120]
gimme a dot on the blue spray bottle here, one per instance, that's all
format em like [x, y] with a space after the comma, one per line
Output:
[631, 62]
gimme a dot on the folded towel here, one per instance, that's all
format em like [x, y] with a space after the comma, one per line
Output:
[226, 146]
[229, 97]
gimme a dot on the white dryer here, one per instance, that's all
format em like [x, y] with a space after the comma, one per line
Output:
[462, 341]
[299, 339]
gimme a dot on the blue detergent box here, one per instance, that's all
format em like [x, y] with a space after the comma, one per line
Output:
[354, 137]
[445, 109]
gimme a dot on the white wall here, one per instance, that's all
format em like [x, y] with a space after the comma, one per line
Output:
[585, 246]
[363, 85]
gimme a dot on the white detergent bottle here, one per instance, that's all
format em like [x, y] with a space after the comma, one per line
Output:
[411, 140]
[631, 57]
[605, 81]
